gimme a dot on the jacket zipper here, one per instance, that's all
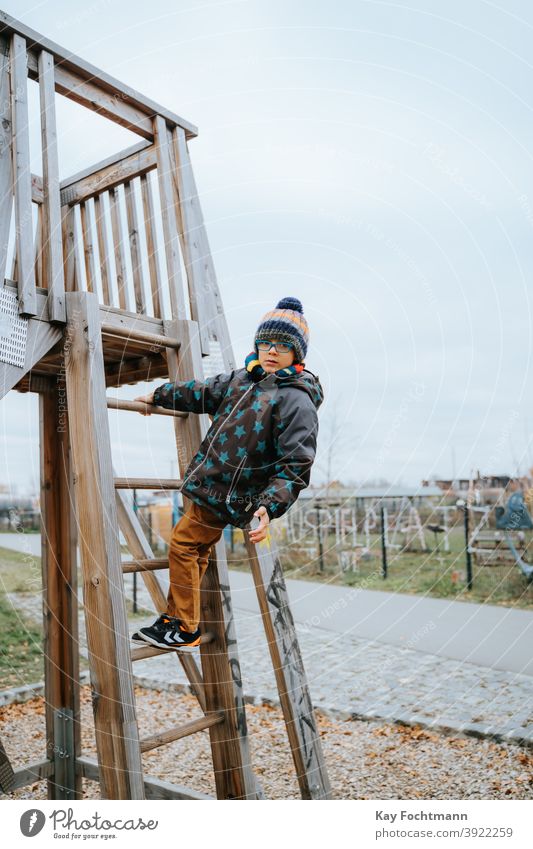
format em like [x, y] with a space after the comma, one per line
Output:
[234, 482]
[217, 432]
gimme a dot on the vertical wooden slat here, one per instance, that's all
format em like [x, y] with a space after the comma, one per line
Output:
[60, 602]
[136, 264]
[190, 224]
[156, 281]
[6, 162]
[69, 248]
[40, 279]
[120, 257]
[220, 663]
[168, 216]
[103, 250]
[22, 175]
[117, 736]
[88, 248]
[51, 208]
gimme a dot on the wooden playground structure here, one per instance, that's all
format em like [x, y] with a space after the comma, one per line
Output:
[107, 279]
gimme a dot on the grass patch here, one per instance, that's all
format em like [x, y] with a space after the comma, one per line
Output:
[19, 572]
[437, 574]
[21, 648]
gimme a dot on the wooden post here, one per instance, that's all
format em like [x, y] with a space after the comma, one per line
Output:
[220, 663]
[6, 163]
[22, 177]
[190, 226]
[205, 280]
[168, 216]
[60, 600]
[51, 207]
[289, 670]
[117, 736]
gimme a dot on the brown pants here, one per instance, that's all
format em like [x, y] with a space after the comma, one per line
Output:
[190, 544]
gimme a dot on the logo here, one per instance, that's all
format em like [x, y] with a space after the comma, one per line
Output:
[32, 822]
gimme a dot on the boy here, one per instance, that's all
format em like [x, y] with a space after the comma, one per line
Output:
[254, 460]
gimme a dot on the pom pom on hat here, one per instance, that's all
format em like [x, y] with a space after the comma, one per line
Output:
[287, 324]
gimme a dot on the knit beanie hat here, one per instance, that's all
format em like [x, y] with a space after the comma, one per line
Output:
[286, 323]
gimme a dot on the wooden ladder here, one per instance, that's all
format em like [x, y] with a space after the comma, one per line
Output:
[101, 510]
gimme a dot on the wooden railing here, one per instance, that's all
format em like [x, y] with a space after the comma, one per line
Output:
[129, 228]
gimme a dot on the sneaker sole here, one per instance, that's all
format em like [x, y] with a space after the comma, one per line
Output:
[166, 647]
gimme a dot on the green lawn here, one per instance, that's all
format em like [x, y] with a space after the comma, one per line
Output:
[432, 573]
[21, 653]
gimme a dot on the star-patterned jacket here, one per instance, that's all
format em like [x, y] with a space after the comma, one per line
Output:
[261, 443]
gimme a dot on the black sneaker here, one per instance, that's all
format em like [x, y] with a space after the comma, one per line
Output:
[167, 632]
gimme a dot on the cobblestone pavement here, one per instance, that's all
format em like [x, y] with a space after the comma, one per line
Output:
[360, 678]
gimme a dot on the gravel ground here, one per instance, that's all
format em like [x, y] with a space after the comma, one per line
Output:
[366, 759]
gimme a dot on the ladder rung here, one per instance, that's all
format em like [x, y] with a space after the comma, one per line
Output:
[140, 336]
[152, 651]
[139, 407]
[182, 731]
[144, 565]
[147, 483]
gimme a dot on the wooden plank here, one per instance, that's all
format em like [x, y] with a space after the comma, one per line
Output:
[181, 731]
[220, 663]
[120, 256]
[106, 270]
[51, 211]
[31, 773]
[156, 280]
[210, 301]
[68, 228]
[22, 177]
[60, 602]
[190, 222]
[115, 720]
[134, 163]
[88, 249]
[135, 250]
[87, 72]
[289, 670]
[139, 547]
[154, 788]
[168, 216]
[6, 161]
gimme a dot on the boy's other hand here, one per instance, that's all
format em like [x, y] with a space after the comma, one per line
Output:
[260, 532]
[145, 399]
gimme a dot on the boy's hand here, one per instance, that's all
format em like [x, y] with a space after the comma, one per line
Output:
[145, 399]
[260, 532]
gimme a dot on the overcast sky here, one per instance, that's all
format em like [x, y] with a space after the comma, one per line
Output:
[374, 160]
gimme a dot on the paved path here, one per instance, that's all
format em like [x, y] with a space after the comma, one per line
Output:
[359, 677]
[442, 663]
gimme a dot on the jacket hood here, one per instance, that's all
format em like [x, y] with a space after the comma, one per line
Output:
[307, 382]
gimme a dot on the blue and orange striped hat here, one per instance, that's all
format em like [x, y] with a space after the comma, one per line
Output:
[286, 323]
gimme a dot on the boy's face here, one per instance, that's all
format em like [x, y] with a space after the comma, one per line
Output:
[273, 360]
